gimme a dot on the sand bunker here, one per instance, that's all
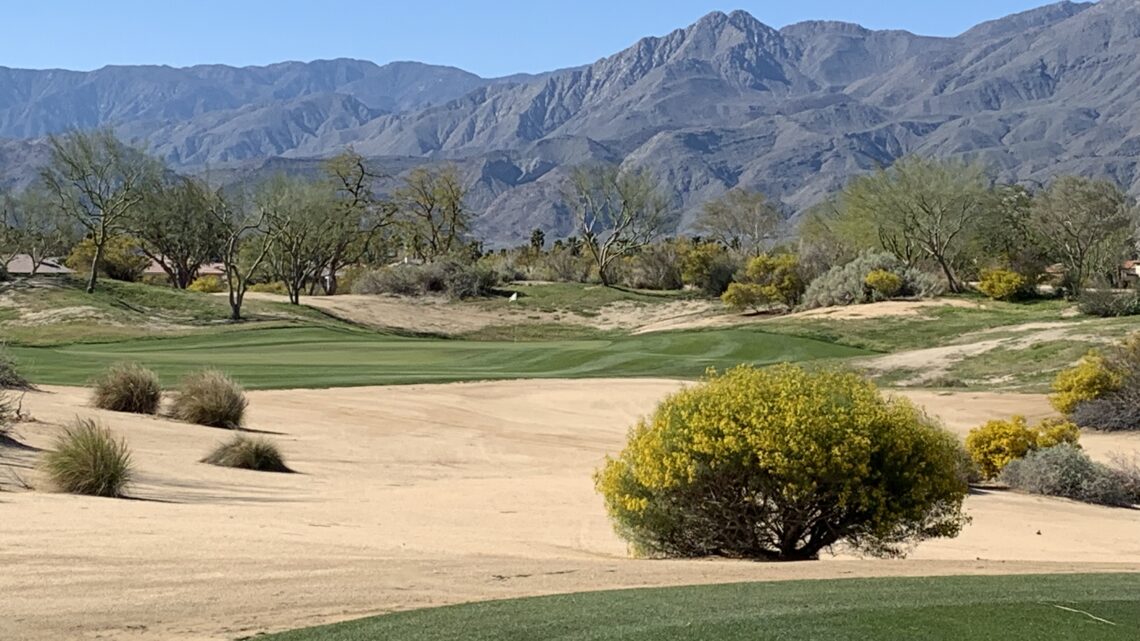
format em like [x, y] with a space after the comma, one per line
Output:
[416, 496]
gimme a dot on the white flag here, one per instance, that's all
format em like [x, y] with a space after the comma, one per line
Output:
[514, 297]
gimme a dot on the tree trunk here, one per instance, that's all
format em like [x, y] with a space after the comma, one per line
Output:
[951, 279]
[235, 307]
[91, 280]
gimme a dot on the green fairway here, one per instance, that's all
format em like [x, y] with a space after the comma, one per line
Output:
[329, 357]
[1008, 608]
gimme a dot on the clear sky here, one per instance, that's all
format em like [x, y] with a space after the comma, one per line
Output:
[491, 38]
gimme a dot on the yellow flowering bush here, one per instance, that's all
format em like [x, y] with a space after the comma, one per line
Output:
[884, 283]
[1002, 284]
[768, 280]
[207, 285]
[1092, 378]
[780, 464]
[996, 444]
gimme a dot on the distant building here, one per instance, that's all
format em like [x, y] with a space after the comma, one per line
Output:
[22, 264]
[1130, 273]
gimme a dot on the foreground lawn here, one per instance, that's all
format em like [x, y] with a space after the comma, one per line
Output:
[1008, 608]
[308, 357]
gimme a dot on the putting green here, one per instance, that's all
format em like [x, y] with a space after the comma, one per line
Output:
[307, 357]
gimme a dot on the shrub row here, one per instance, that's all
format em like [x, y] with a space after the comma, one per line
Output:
[88, 459]
[453, 279]
[864, 280]
[1109, 304]
[208, 397]
[1066, 471]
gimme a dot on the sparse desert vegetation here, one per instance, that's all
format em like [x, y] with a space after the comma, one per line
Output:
[88, 459]
[248, 453]
[209, 397]
[127, 387]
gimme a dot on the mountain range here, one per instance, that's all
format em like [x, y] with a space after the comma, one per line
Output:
[725, 102]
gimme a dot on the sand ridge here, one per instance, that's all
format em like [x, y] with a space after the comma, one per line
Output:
[423, 495]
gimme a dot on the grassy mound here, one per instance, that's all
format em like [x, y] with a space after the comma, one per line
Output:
[209, 398]
[246, 453]
[87, 459]
[1011, 608]
[127, 387]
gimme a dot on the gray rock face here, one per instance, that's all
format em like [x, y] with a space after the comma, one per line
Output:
[727, 101]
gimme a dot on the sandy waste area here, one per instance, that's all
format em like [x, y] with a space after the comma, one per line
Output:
[409, 497]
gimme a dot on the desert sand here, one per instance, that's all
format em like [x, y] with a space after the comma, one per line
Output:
[409, 497]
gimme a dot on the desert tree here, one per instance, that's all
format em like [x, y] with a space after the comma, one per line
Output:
[98, 181]
[1087, 224]
[920, 209]
[618, 212]
[300, 235]
[245, 242]
[431, 206]
[36, 226]
[741, 219]
[357, 216]
[537, 240]
[174, 227]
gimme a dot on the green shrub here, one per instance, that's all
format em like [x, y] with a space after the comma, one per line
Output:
[564, 265]
[209, 398]
[122, 259]
[708, 267]
[780, 464]
[276, 287]
[207, 285]
[246, 453]
[454, 279]
[658, 267]
[1002, 284]
[1090, 379]
[768, 280]
[10, 377]
[1108, 304]
[462, 282]
[884, 284]
[1066, 471]
[847, 284]
[88, 460]
[996, 444]
[127, 387]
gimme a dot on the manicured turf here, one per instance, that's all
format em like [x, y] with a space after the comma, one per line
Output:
[950, 609]
[327, 357]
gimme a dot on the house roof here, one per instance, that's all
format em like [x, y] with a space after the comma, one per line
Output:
[22, 264]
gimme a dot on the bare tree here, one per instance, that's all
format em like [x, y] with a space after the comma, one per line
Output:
[1087, 224]
[245, 244]
[97, 180]
[300, 233]
[36, 226]
[432, 210]
[741, 219]
[618, 212]
[358, 216]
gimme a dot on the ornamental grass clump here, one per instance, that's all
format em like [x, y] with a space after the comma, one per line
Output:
[87, 459]
[248, 453]
[209, 398]
[127, 387]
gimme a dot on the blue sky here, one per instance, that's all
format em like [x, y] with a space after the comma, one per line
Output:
[488, 38]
